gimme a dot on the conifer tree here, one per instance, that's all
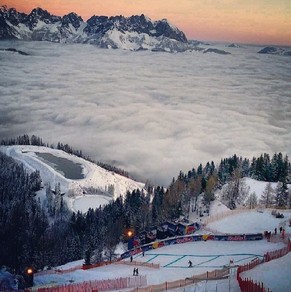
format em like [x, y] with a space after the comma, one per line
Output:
[268, 196]
[282, 195]
[252, 201]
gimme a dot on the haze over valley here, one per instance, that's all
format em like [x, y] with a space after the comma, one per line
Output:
[150, 113]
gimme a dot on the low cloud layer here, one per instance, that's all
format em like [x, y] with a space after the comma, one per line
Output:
[153, 114]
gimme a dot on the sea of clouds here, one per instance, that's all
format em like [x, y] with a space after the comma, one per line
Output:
[152, 114]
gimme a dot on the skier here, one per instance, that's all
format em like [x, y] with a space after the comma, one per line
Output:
[275, 231]
[134, 271]
[131, 258]
[190, 264]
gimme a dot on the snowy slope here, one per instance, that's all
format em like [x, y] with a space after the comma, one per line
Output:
[257, 187]
[251, 186]
[274, 274]
[76, 189]
[205, 256]
[255, 221]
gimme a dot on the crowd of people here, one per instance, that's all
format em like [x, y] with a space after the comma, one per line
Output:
[268, 234]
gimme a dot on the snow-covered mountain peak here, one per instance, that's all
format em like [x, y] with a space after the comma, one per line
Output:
[72, 18]
[138, 31]
[39, 14]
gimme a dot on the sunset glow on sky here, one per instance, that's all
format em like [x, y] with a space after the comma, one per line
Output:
[242, 21]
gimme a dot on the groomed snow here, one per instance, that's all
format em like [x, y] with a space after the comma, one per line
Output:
[205, 256]
[252, 221]
[94, 201]
[274, 274]
[173, 260]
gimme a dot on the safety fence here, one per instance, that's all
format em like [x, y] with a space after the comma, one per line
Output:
[79, 267]
[248, 284]
[272, 255]
[136, 263]
[224, 214]
[100, 264]
[214, 275]
[58, 271]
[98, 285]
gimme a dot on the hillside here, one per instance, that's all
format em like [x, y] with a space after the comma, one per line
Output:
[94, 186]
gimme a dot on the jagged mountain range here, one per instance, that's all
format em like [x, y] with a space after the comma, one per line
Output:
[131, 33]
[134, 33]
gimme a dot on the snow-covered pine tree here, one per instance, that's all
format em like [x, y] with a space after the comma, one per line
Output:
[235, 191]
[268, 197]
[282, 195]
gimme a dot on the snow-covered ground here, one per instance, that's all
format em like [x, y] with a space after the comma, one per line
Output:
[251, 186]
[76, 190]
[173, 260]
[275, 274]
[252, 221]
[205, 256]
[257, 187]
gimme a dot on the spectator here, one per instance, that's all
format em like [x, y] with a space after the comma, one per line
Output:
[283, 233]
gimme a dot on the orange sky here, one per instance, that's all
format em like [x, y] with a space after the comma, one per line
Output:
[242, 21]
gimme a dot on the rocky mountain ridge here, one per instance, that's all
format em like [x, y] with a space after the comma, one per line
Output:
[275, 51]
[133, 33]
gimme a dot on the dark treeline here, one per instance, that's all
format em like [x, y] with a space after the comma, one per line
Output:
[37, 141]
[22, 220]
[207, 179]
[46, 233]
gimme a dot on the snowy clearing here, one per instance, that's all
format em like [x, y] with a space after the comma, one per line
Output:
[94, 176]
[94, 201]
[252, 221]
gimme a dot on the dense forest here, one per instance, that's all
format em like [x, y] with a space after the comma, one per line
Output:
[46, 233]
